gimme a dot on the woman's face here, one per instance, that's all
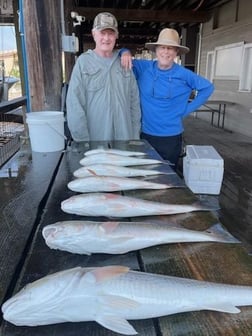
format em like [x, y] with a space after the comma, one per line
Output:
[166, 56]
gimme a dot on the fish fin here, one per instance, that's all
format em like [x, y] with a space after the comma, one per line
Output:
[116, 323]
[224, 308]
[83, 252]
[108, 227]
[101, 274]
[92, 172]
[222, 234]
[118, 302]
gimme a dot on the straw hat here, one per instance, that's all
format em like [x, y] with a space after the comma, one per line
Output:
[168, 37]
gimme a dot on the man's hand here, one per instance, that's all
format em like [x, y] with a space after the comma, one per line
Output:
[126, 60]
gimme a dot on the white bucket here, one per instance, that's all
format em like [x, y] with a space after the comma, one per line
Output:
[46, 131]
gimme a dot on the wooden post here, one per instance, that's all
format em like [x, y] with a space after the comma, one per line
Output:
[44, 53]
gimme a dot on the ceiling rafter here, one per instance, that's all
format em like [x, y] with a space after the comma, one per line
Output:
[147, 15]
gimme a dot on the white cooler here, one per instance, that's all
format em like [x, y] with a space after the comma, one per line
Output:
[203, 169]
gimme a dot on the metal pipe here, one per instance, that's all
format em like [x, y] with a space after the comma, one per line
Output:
[62, 17]
[23, 47]
[199, 48]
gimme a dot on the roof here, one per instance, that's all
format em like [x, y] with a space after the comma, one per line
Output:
[141, 21]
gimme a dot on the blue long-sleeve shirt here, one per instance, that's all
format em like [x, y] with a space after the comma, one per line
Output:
[165, 96]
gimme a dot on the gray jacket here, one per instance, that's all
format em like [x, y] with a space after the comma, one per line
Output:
[102, 100]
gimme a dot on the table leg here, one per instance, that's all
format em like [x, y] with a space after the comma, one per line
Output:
[219, 115]
[223, 115]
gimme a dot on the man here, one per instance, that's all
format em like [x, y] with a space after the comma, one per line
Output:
[165, 89]
[103, 99]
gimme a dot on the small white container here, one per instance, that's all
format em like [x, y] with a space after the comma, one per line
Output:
[203, 169]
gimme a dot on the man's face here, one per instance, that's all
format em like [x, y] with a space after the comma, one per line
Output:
[105, 39]
[166, 56]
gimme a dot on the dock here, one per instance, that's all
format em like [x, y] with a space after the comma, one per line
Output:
[33, 201]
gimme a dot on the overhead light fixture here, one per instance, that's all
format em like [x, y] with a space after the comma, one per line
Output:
[143, 3]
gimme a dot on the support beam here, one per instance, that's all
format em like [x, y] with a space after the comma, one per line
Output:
[43, 51]
[146, 15]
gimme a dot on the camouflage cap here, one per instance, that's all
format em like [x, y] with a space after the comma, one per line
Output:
[105, 20]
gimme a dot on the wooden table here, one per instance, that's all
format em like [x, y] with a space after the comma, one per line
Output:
[207, 261]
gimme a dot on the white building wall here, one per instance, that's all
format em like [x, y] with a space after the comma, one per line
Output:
[231, 24]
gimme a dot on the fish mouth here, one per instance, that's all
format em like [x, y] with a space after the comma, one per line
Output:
[65, 206]
[13, 311]
[49, 232]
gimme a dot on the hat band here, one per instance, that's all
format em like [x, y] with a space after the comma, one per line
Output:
[165, 41]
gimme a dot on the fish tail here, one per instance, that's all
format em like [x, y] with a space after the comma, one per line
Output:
[205, 206]
[219, 232]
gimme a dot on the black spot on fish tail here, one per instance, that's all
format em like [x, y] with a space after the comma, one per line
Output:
[219, 232]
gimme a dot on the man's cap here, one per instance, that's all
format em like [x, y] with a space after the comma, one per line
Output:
[105, 20]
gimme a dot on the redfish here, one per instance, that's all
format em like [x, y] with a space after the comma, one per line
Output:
[118, 160]
[114, 205]
[113, 151]
[112, 295]
[113, 183]
[87, 237]
[113, 170]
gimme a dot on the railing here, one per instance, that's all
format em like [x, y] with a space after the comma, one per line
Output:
[10, 105]
[9, 140]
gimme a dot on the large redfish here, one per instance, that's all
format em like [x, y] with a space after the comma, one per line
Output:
[87, 237]
[113, 205]
[112, 295]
